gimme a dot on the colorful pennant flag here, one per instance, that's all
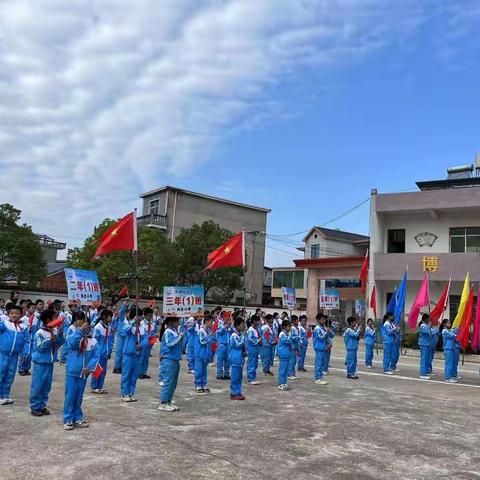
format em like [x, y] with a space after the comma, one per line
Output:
[476, 326]
[463, 302]
[364, 272]
[437, 313]
[464, 330]
[373, 301]
[421, 300]
[400, 301]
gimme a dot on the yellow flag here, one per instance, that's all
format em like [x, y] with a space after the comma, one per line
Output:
[463, 302]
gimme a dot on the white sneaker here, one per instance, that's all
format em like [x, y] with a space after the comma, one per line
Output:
[133, 398]
[3, 401]
[368, 366]
[9, 401]
[68, 426]
[173, 407]
[389, 373]
[294, 377]
[255, 382]
[458, 377]
[321, 382]
[424, 377]
[163, 407]
[452, 380]
[281, 387]
[433, 374]
[125, 398]
[326, 373]
[396, 369]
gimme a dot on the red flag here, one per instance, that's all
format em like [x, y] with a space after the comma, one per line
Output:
[151, 303]
[123, 293]
[373, 301]
[152, 341]
[55, 323]
[215, 326]
[230, 254]
[364, 272]
[464, 329]
[437, 313]
[267, 335]
[476, 326]
[121, 236]
[309, 333]
[97, 373]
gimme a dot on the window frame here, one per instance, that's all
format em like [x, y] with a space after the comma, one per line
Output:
[465, 236]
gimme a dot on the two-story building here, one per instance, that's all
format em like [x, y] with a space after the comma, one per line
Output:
[434, 230]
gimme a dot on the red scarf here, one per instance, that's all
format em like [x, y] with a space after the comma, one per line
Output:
[83, 345]
[17, 323]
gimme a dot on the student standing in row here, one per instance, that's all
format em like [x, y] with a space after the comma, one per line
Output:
[34, 324]
[222, 337]
[351, 337]
[268, 344]
[122, 323]
[397, 345]
[285, 349]
[435, 333]
[191, 333]
[424, 342]
[253, 343]
[448, 338]
[330, 337]
[320, 335]
[102, 333]
[388, 334]
[203, 348]
[295, 352]
[369, 339]
[151, 332]
[236, 356]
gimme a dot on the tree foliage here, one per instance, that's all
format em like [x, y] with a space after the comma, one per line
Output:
[21, 256]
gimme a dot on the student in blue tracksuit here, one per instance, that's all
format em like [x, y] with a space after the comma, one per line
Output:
[351, 337]
[171, 347]
[236, 358]
[397, 345]
[14, 347]
[268, 344]
[448, 338]
[369, 339]
[456, 357]
[203, 347]
[320, 336]
[34, 324]
[435, 332]
[102, 333]
[45, 345]
[135, 341]
[285, 349]
[66, 325]
[276, 331]
[121, 336]
[82, 359]
[303, 343]
[388, 334]
[151, 332]
[424, 342]
[222, 337]
[191, 333]
[295, 338]
[330, 337]
[253, 343]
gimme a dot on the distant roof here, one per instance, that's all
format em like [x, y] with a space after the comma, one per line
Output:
[449, 183]
[339, 235]
[202, 195]
[55, 267]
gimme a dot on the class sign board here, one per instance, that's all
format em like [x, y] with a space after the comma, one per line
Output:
[289, 298]
[329, 299]
[183, 301]
[83, 285]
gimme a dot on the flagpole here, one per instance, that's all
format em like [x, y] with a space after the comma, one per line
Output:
[135, 260]
[244, 275]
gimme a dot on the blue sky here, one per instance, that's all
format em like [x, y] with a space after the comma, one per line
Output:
[301, 107]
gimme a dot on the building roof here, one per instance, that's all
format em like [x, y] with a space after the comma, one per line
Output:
[339, 235]
[202, 195]
[346, 261]
[449, 183]
[55, 267]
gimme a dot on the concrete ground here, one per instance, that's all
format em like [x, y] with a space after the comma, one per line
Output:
[373, 428]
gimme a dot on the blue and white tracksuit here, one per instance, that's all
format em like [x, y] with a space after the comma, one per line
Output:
[433, 346]
[320, 336]
[425, 343]
[121, 337]
[285, 349]
[303, 345]
[191, 333]
[295, 338]
[456, 356]
[171, 348]
[449, 340]
[268, 344]
[132, 357]
[26, 361]
[275, 329]
[388, 334]
[222, 337]
[397, 345]
[351, 337]
[84, 353]
[150, 331]
[14, 343]
[203, 347]
[236, 358]
[253, 341]
[369, 340]
[44, 355]
[66, 325]
[102, 333]
[328, 353]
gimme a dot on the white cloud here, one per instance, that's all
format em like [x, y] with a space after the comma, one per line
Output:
[101, 99]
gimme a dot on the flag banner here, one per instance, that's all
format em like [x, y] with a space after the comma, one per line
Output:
[123, 293]
[437, 313]
[97, 373]
[152, 341]
[421, 300]
[464, 329]
[183, 301]
[364, 273]
[120, 236]
[400, 301]
[56, 323]
[230, 254]
[392, 303]
[83, 285]
[289, 298]
[463, 302]
[329, 299]
[476, 326]
[373, 301]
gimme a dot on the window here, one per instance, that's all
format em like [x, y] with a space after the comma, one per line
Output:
[396, 241]
[465, 240]
[288, 278]
[315, 250]
[154, 204]
[342, 283]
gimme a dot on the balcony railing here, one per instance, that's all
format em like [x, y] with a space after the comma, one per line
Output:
[153, 220]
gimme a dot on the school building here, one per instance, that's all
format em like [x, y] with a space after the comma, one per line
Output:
[434, 230]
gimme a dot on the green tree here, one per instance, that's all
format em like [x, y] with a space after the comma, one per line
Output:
[21, 256]
[193, 245]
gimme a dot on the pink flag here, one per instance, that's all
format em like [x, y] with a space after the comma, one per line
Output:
[476, 326]
[422, 300]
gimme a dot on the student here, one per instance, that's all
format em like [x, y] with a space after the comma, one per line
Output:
[330, 337]
[320, 335]
[135, 341]
[268, 343]
[424, 342]
[34, 324]
[121, 336]
[45, 346]
[151, 332]
[435, 333]
[295, 338]
[456, 357]
[369, 340]
[276, 331]
[2, 306]
[236, 357]
[285, 349]
[448, 338]
[253, 343]
[397, 345]
[203, 348]
[222, 337]
[69, 320]
[14, 346]
[303, 343]
[82, 360]
[102, 333]
[191, 333]
[171, 347]
[351, 337]
[388, 333]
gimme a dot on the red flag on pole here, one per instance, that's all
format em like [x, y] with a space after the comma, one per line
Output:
[437, 313]
[120, 236]
[373, 301]
[476, 326]
[230, 254]
[364, 272]
[464, 329]
[123, 293]
[97, 373]
[55, 323]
